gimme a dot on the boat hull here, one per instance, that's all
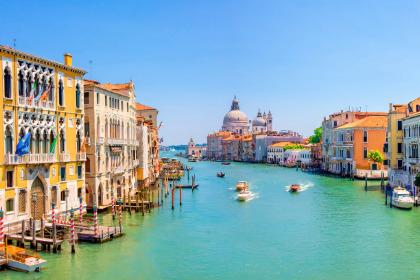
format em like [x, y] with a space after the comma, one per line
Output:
[402, 204]
[26, 267]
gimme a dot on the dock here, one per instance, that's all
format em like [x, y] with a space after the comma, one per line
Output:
[45, 242]
[105, 234]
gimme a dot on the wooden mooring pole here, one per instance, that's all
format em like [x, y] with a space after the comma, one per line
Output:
[173, 199]
[54, 228]
[366, 183]
[180, 196]
[72, 239]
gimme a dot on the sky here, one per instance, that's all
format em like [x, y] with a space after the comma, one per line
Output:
[300, 59]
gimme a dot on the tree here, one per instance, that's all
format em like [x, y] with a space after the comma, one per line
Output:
[317, 136]
[375, 156]
[293, 147]
[417, 180]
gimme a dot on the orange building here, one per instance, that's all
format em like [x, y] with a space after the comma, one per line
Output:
[353, 142]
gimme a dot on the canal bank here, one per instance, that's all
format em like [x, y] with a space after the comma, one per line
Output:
[332, 230]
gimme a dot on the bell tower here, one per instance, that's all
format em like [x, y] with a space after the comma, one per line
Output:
[269, 121]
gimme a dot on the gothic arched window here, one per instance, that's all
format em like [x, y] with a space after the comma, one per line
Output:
[78, 141]
[7, 83]
[8, 140]
[51, 93]
[60, 93]
[62, 142]
[21, 84]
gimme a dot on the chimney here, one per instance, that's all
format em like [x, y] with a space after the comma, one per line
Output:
[68, 59]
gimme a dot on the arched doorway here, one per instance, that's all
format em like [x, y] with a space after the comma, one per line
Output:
[100, 194]
[37, 207]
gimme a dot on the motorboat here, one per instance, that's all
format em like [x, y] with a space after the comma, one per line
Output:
[220, 174]
[402, 198]
[22, 259]
[244, 195]
[294, 188]
[242, 186]
[226, 163]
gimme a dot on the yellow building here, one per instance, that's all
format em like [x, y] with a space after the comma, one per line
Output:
[41, 100]
[394, 136]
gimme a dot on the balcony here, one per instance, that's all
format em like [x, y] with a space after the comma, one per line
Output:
[30, 158]
[112, 141]
[27, 102]
[64, 157]
[81, 156]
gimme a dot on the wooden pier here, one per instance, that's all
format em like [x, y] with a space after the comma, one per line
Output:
[105, 234]
[46, 243]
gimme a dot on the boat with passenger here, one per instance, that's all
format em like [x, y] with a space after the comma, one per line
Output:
[244, 195]
[242, 186]
[294, 188]
[220, 174]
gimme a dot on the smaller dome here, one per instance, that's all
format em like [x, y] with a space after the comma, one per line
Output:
[259, 121]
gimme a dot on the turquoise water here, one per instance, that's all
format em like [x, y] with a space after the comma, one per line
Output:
[332, 230]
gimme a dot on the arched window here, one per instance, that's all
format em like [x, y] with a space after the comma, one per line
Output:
[28, 84]
[8, 140]
[51, 93]
[98, 127]
[10, 205]
[77, 96]
[52, 137]
[62, 142]
[78, 141]
[60, 93]
[21, 84]
[36, 141]
[106, 128]
[7, 83]
[45, 142]
[37, 85]
[87, 166]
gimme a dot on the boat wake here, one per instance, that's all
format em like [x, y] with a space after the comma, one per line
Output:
[251, 197]
[303, 187]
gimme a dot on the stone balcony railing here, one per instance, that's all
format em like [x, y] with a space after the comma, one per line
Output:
[113, 141]
[27, 102]
[30, 158]
[64, 157]
[81, 156]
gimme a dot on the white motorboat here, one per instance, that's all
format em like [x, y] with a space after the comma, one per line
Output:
[402, 198]
[242, 186]
[244, 195]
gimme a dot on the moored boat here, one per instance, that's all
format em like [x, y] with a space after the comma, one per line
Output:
[294, 188]
[22, 259]
[220, 174]
[244, 195]
[226, 163]
[242, 186]
[402, 198]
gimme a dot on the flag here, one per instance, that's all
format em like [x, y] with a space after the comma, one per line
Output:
[44, 95]
[32, 92]
[23, 145]
[52, 147]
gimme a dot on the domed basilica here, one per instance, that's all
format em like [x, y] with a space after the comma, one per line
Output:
[237, 121]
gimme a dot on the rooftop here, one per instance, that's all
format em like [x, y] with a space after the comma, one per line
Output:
[380, 121]
[142, 107]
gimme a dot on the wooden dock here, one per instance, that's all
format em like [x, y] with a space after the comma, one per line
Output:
[105, 234]
[45, 242]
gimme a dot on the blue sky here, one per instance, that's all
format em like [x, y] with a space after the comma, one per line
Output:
[301, 59]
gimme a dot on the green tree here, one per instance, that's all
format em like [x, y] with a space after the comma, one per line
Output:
[417, 180]
[317, 136]
[293, 147]
[375, 156]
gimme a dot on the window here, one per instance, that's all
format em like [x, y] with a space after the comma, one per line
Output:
[87, 129]
[8, 140]
[86, 97]
[7, 83]
[97, 98]
[63, 195]
[400, 164]
[386, 162]
[335, 123]
[399, 125]
[87, 165]
[79, 193]
[63, 173]
[9, 179]
[417, 108]
[77, 96]
[127, 106]
[385, 147]
[365, 136]
[106, 100]
[79, 172]
[60, 93]
[10, 205]
[21, 83]
[399, 147]
[62, 142]
[365, 153]
[122, 105]
[22, 201]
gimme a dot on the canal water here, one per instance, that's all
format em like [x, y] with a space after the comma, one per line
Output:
[331, 230]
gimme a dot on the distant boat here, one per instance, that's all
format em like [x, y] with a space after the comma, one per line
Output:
[402, 198]
[220, 174]
[294, 188]
[244, 195]
[242, 186]
[226, 163]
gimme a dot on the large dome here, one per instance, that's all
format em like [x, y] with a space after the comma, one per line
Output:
[235, 120]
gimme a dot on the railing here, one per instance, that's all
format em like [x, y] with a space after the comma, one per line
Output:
[81, 156]
[27, 102]
[30, 158]
[112, 141]
[64, 157]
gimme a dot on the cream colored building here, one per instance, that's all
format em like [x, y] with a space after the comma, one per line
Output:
[110, 124]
